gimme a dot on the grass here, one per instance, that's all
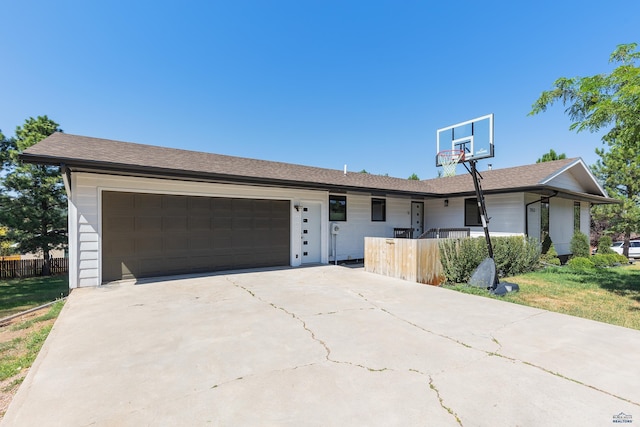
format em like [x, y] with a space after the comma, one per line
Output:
[18, 295]
[610, 295]
[53, 313]
[20, 352]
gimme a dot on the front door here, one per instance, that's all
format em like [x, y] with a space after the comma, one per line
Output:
[310, 232]
[417, 218]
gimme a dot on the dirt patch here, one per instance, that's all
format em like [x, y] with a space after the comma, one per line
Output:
[9, 333]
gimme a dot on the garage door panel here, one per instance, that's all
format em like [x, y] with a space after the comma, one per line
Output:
[198, 244]
[222, 241]
[199, 205]
[120, 224]
[152, 224]
[220, 206]
[146, 204]
[174, 204]
[242, 223]
[175, 244]
[241, 206]
[119, 201]
[123, 246]
[149, 245]
[222, 223]
[199, 223]
[153, 234]
[174, 223]
[151, 266]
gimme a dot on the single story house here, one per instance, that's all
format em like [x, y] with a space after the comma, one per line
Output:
[142, 211]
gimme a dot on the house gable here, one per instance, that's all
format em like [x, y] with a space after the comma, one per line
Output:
[575, 177]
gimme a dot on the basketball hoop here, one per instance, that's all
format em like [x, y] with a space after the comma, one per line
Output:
[449, 159]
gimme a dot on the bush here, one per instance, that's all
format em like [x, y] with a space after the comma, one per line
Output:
[604, 245]
[580, 245]
[513, 255]
[551, 256]
[459, 257]
[603, 260]
[580, 263]
[621, 258]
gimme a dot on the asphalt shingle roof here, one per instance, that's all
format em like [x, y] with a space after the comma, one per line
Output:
[103, 154]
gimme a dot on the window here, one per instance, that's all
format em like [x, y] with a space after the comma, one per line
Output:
[337, 208]
[378, 210]
[576, 216]
[471, 213]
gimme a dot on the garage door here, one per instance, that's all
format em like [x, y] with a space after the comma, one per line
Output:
[146, 235]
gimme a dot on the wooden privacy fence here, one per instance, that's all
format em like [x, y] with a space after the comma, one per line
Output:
[417, 260]
[10, 269]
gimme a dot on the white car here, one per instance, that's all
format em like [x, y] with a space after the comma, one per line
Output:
[634, 248]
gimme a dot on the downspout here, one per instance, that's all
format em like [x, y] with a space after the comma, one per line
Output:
[526, 212]
[71, 228]
[66, 179]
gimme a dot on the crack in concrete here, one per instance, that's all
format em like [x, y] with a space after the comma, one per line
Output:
[343, 311]
[311, 333]
[446, 408]
[496, 353]
[248, 376]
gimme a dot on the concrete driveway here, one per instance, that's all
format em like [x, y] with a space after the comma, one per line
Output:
[322, 346]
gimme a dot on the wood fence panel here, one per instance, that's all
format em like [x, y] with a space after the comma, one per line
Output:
[408, 259]
[11, 269]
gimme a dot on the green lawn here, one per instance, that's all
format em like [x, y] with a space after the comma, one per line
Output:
[17, 295]
[610, 295]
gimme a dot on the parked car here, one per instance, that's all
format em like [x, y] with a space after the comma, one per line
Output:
[634, 248]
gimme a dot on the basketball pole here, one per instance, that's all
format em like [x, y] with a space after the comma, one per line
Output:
[482, 208]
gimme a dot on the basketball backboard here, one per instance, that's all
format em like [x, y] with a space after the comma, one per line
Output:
[474, 137]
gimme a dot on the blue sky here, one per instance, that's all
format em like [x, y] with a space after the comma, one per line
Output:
[322, 83]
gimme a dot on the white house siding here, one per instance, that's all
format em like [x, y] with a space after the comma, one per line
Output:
[567, 181]
[85, 214]
[505, 210]
[437, 215]
[350, 240]
[561, 224]
[585, 218]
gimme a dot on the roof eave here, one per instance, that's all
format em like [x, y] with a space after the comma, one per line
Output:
[164, 173]
[542, 190]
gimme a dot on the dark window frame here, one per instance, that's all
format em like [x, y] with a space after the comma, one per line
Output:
[577, 215]
[470, 206]
[381, 214]
[545, 209]
[337, 208]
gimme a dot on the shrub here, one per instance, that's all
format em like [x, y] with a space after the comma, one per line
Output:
[621, 258]
[551, 256]
[604, 245]
[459, 257]
[580, 245]
[602, 260]
[513, 255]
[581, 263]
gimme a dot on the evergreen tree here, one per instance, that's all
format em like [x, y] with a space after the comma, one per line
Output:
[32, 197]
[551, 156]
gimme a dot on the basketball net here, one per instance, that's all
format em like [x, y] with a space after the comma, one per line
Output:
[449, 159]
